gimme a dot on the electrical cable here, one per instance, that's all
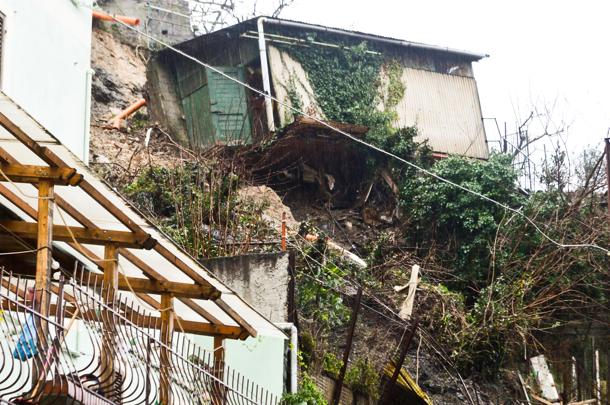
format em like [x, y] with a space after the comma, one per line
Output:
[368, 145]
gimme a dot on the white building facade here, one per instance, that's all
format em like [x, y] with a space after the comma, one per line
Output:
[45, 65]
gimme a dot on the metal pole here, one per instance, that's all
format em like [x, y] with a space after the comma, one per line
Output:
[401, 360]
[608, 170]
[350, 336]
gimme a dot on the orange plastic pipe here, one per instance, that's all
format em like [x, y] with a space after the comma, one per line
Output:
[107, 17]
[116, 121]
[283, 231]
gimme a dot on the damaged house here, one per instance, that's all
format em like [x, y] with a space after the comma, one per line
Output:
[361, 83]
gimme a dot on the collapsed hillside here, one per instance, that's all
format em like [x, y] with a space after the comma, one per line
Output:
[489, 283]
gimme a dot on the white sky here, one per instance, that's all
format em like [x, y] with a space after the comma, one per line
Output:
[541, 51]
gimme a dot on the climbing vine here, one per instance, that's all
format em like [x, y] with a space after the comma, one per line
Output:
[347, 82]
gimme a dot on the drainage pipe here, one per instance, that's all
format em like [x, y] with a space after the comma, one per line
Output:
[107, 17]
[262, 48]
[116, 121]
[87, 130]
[294, 348]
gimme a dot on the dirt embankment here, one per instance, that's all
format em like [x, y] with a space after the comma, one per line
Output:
[119, 81]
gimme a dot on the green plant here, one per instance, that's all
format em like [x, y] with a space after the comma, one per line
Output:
[465, 224]
[307, 345]
[318, 289]
[396, 88]
[331, 365]
[308, 393]
[346, 82]
[363, 379]
[197, 205]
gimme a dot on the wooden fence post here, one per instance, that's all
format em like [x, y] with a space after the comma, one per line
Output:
[350, 336]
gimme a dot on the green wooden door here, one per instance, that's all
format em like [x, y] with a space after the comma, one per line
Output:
[229, 105]
[215, 108]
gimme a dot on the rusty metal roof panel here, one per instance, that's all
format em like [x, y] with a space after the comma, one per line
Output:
[446, 110]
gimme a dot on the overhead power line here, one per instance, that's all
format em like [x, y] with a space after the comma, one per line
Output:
[369, 145]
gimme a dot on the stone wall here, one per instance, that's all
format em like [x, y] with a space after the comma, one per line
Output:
[166, 20]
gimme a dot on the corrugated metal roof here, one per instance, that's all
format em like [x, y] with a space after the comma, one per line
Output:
[446, 110]
[243, 26]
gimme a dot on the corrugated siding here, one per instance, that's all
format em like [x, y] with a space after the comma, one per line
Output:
[446, 110]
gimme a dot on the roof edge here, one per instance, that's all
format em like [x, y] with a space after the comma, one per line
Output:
[372, 37]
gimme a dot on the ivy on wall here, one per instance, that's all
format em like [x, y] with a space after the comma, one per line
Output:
[346, 82]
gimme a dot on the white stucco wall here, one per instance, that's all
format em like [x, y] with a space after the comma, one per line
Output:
[45, 61]
[260, 360]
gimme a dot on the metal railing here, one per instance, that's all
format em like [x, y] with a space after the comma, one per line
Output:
[124, 361]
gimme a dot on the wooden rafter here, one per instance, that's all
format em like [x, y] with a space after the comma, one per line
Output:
[63, 176]
[53, 160]
[82, 235]
[176, 289]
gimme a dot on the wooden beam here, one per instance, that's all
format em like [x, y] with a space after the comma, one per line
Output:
[65, 176]
[236, 317]
[147, 286]
[44, 258]
[167, 332]
[63, 233]
[218, 370]
[194, 327]
[43, 232]
[185, 290]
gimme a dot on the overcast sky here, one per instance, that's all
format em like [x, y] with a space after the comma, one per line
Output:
[542, 52]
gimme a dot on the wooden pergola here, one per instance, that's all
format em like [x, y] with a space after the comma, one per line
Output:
[40, 176]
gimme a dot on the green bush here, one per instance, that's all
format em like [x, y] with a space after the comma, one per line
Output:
[331, 365]
[463, 224]
[363, 379]
[308, 394]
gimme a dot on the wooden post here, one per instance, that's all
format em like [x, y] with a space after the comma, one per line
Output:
[44, 259]
[111, 285]
[348, 347]
[401, 359]
[406, 309]
[218, 370]
[167, 332]
[44, 256]
[596, 380]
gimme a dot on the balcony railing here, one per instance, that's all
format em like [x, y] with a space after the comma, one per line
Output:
[124, 361]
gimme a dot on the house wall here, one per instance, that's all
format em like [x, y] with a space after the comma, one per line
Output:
[46, 56]
[445, 109]
[441, 98]
[165, 102]
[262, 280]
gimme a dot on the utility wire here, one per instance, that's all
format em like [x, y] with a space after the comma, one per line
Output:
[368, 145]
